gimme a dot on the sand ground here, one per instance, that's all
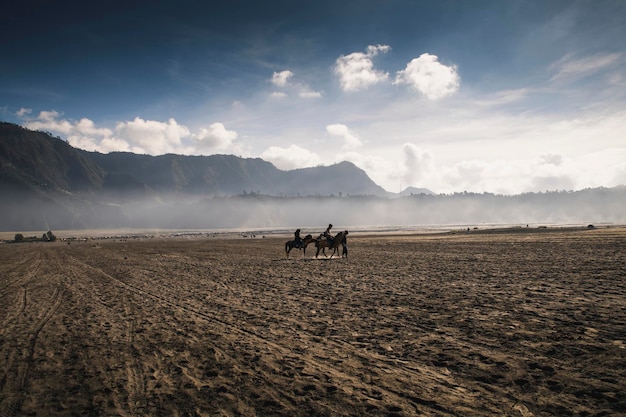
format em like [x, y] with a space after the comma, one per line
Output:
[480, 324]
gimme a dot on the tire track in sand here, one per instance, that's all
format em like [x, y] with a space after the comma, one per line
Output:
[353, 383]
[16, 378]
[118, 329]
[136, 384]
[17, 308]
[23, 277]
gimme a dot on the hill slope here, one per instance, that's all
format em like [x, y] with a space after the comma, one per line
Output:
[44, 180]
[36, 160]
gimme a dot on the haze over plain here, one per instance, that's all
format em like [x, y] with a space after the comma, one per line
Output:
[502, 97]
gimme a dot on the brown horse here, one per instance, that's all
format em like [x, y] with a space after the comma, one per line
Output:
[321, 243]
[290, 244]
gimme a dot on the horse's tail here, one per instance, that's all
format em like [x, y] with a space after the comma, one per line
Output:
[287, 247]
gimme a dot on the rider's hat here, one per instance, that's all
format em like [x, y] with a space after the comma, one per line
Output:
[330, 225]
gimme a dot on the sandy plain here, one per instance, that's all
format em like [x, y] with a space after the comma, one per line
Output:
[507, 323]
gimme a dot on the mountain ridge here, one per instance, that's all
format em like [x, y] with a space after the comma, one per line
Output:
[39, 160]
[46, 184]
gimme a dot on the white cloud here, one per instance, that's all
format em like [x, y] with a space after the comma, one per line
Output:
[82, 134]
[85, 135]
[153, 137]
[377, 167]
[396, 168]
[48, 121]
[86, 127]
[417, 165]
[138, 136]
[23, 112]
[306, 93]
[350, 139]
[504, 97]
[281, 79]
[429, 77]
[113, 144]
[506, 154]
[571, 67]
[216, 137]
[291, 157]
[104, 145]
[356, 70]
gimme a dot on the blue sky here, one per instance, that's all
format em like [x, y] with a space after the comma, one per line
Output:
[502, 96]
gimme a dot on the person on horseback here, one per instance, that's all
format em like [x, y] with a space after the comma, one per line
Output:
[297, 238]
[328, 235]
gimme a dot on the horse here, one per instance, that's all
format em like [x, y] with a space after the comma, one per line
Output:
[321, 243]
[290, 244]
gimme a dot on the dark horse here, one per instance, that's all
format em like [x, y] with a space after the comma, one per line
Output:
[321, 243]
[291, 244]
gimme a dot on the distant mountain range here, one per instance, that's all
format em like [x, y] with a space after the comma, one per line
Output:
[36, 160]
[46, 184]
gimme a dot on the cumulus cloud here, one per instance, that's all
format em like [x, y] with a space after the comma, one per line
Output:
[291, 157]
[417, 164]
[216, 137]
[86, 127]
[429, 77]
[49, 121]
[153, 137]
[350, 139]
[376, 166]
[82, 134]
[281, 79]
[356, 71]
[139, 136]
[104, 145]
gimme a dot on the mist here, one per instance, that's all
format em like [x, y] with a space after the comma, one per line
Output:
[253, 211]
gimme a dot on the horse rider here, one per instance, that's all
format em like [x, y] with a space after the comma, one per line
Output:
[297, 238]
[328, 235]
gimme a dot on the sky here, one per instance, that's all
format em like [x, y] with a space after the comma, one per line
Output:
[498, 96]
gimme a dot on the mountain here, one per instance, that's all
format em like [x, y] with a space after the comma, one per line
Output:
[43, 177]
[40, 162]
[46, 184]
[414, 191]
